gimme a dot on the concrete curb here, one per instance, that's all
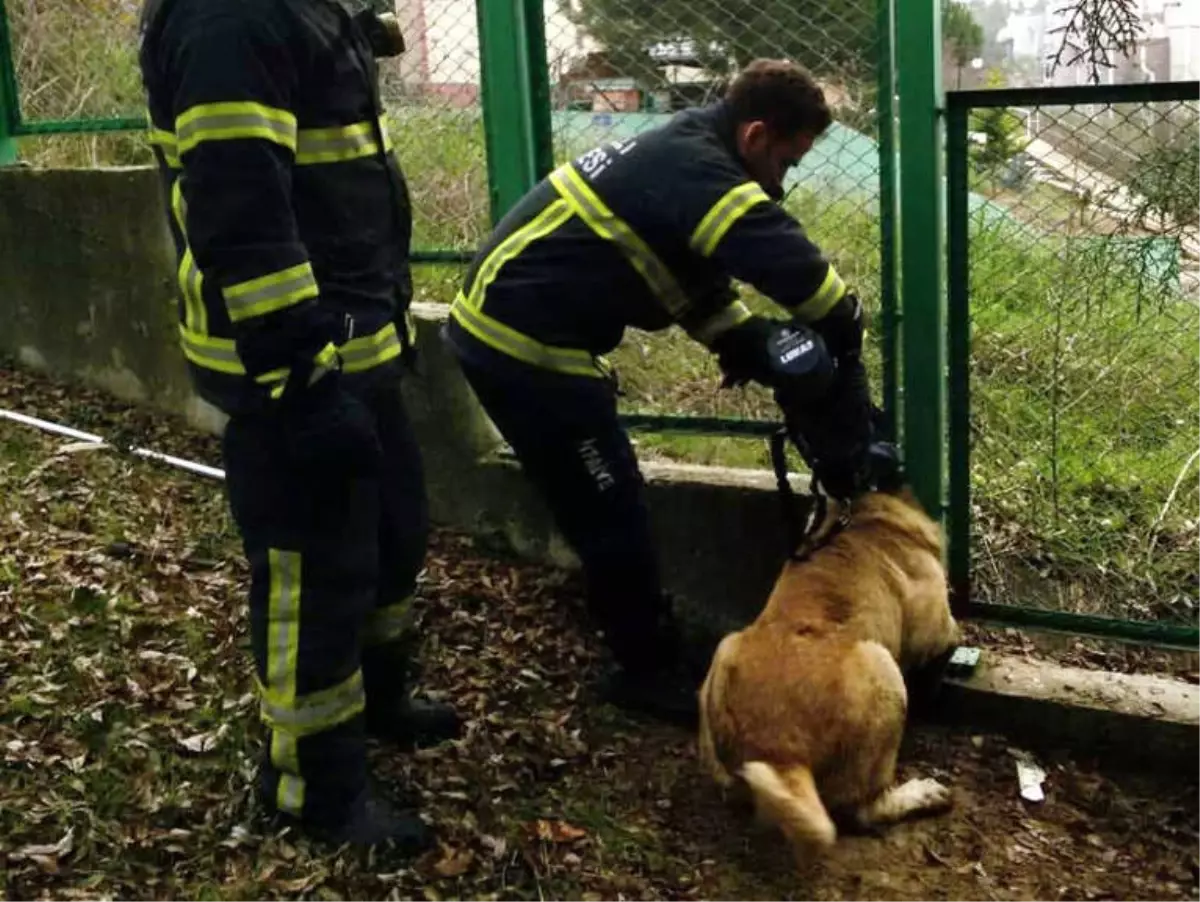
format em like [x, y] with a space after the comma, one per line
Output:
[1132, 720]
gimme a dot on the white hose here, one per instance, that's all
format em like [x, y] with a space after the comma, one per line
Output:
[47, 426]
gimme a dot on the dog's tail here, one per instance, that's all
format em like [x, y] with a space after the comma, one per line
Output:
[789, 800]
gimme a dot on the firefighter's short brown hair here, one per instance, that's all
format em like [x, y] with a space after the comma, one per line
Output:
[782, 94]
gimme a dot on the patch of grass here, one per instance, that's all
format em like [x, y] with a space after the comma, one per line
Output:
[1084, 419]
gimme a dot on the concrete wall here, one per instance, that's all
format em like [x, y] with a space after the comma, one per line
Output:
[87, 291]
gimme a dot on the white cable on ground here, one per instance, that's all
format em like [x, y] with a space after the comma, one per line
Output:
[47, 426]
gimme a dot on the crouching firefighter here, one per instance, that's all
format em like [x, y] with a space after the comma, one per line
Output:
[291, 220]
[649, 232]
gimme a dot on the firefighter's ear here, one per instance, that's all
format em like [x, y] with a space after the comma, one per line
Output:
[751, 138]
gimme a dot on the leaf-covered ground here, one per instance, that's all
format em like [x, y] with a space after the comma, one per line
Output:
[129, 737]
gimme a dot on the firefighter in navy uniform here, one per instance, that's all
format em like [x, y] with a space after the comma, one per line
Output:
[649, 232]
[292, 222]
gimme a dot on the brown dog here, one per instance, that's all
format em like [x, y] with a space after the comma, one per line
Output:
[807, 705]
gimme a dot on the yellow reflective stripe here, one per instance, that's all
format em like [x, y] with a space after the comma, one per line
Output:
[723, 214]
[540, 226]
[591, 209]
[283, 624]
[389, 623]
[230, 121]
[179, 206]
[410, 328]
[509, 341]
[165, 141]
[316, 711]
[325, 359]
[271, 292]
[289, 795]
[358, 354]
[191, 283]
[822, 300]
[728, 318]
[212, 353]
[270, 376]
[191, 279]
[338, 144]
[370, 351]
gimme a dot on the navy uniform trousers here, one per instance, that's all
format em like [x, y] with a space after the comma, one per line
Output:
[565, 433]
[334, 524]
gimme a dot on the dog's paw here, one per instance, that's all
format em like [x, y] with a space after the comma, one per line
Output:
[916, 798]
[927, 796]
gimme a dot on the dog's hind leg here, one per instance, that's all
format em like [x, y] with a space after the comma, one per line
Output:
[883, 802]
[711, 699]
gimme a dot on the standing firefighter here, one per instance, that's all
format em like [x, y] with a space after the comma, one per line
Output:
[648, 232]
[292, 222]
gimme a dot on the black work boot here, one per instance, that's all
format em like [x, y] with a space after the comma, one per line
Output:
[371, 820]
[668, 694]
[657, 677]
[374, 821]
[412, 722]
[392, 714]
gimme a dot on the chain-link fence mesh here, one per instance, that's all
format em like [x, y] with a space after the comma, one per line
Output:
[1085, 420]
[616, 67]
[432, 95]
[77, 60]
[619, 67]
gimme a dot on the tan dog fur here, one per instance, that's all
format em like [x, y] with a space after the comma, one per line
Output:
[807, 705]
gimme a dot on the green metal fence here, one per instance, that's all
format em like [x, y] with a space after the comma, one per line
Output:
[489, 96]
[1072, 378]
[1074, 262]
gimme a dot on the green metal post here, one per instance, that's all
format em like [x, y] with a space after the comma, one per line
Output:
[516, 98]
[888, 218]
[10, 110]
[958, 526]
[922, 263]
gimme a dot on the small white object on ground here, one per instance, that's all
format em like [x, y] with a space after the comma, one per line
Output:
[1030, 776]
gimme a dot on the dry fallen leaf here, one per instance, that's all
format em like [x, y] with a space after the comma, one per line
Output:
[51, 852]
[558, 831]
[202, 743]
[496, 845]
[454, 862]
[301, 884]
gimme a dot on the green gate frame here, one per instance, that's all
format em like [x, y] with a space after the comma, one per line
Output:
[520, 151]
[958, 108]
[912, 196]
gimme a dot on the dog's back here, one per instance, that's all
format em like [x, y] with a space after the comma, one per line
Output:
[807, 704]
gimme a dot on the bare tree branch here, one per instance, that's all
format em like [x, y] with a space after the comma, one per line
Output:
[1096, 32]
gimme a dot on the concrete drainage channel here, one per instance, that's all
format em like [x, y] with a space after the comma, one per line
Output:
[1133, 720]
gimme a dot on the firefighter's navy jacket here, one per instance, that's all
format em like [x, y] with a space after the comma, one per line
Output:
[290, 215]
[645, 232]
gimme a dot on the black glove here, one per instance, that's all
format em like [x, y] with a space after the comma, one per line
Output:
[785, 355]
[328, 428]
[842, 328]
[835, 432]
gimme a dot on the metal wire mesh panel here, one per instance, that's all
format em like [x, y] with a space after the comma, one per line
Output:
[77, 60]
[619, 67]
[432, 95]
[1085, 421]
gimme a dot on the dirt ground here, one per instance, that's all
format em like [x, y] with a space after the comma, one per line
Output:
[128, 734]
